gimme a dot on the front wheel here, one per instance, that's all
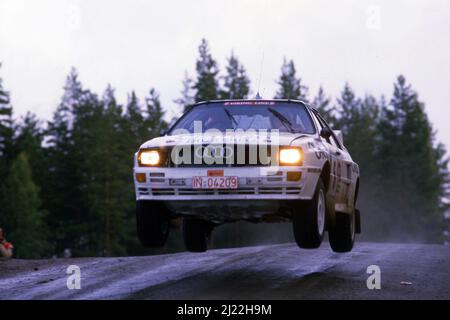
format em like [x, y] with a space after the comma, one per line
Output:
[152, 222]
[342, 234]
[196, 234]
[309, 220]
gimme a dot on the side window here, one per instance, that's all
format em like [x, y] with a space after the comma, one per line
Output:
[334, 140]
[316, 120]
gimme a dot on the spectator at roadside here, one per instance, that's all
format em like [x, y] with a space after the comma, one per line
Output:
[6, 248]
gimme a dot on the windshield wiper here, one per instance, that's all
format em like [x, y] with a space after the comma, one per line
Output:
[230, 116]
[282, 119]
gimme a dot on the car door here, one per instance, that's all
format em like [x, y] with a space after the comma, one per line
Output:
[339, 170]
[335, 187]
[347, 181]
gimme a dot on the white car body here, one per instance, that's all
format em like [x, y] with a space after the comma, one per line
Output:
[263, 192]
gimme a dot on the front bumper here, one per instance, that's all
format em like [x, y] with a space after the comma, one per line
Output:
[254, 183]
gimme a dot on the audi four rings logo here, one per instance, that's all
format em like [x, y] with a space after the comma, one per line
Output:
[214, 151]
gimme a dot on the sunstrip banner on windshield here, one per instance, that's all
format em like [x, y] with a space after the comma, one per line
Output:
[246, 103]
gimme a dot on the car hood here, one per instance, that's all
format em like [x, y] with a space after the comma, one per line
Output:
[284, 139]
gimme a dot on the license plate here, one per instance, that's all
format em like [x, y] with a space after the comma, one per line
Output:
[215, 182]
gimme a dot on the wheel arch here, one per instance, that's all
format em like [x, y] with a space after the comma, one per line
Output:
[325, 175]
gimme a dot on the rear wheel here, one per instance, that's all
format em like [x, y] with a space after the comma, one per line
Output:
[152, 222]
[342, 234]
[309, 220]
[196, 234]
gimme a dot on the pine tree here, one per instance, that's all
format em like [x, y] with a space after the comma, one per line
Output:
[64, 116]
[30, 137]
[291, 87]
[322, 103]
[186, 98]
[134, 123]
[443, 180]
[361, 136]
[413, 180]
[133, 108]
[348, 107]
[22, 215]
[6, 126]
[236, 82]
[358, 120]
[135, 132]
[155, 114]
[110, 102]
[106, 187]
[6, 151]
[206, 85]
[63, 197]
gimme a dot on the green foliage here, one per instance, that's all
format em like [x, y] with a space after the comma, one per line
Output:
[63, 193]
[69, 185]
[412, 177]
[6, 126]
[403, 173]
[322, 103]
[357, 120]
[348, 107]
[104, 158]
[96, 139]
[206, 85]
[291, 86]
[29, 139]
[187, 98]
[236, 82]
[154, 120]
[21, 214]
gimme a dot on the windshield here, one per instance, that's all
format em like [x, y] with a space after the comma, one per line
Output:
[247, 115]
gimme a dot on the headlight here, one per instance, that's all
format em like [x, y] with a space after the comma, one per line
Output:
[291, 156]
[149, 158]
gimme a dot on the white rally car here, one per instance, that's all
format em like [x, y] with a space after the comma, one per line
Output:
[251, 160]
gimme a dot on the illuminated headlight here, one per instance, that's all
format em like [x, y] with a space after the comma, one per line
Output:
[149, 158]
[291, 156]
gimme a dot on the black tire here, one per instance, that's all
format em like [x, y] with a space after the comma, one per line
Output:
[196, 234]
[309, 220]
[342, 234]
[152, 223]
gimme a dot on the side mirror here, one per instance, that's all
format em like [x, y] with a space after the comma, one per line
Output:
[325, 133]
[162, 132]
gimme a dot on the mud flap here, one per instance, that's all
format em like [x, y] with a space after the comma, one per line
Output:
[357, 221]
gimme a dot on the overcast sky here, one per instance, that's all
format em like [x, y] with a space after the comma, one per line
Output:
[141, 44]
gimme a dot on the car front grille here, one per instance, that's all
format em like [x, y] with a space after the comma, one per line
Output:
[233, 156]
[239, 191]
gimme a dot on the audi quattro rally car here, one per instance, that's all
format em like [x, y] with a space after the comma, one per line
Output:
[251, 160]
